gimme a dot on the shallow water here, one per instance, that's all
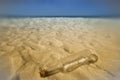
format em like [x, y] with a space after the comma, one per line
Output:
[27, 44]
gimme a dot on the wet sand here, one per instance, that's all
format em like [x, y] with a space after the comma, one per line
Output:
[27, 44]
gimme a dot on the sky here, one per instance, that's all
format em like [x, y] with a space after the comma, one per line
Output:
[59, 7]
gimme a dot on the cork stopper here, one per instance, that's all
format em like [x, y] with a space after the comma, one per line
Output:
[93, 58]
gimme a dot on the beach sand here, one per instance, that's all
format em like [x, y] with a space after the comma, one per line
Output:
[28, 44]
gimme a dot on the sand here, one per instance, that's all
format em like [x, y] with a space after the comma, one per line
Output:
[28, 44]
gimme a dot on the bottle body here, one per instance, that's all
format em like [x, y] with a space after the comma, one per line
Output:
[70, 66]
